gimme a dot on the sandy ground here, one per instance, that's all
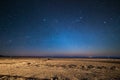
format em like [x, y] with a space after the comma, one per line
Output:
[59, 69]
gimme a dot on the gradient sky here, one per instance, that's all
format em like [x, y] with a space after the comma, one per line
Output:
[60, 27]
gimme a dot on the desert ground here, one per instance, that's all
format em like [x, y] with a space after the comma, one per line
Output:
[59, 69]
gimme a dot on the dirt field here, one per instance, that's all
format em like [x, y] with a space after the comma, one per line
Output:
[59, 69]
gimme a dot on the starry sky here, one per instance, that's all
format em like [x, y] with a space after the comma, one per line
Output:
[60, 27]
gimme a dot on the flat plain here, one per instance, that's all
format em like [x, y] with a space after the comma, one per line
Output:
[59, 69]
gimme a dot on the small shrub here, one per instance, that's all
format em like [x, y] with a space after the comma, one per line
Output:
[90, 66]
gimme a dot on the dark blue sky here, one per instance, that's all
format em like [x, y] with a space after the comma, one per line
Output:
[60, 27]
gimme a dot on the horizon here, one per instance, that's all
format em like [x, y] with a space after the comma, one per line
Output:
[89, 57]
[56, 54]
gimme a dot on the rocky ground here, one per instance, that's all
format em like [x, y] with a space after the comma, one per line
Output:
[59, 69]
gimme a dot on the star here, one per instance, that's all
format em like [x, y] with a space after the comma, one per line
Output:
[44, 20]
[81, 17]
[56, 20]
[27, 37]
[111, 18]
[104, 22]
[10, 41]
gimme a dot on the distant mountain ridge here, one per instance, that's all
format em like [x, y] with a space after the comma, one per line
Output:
[1, 56]
[105, 57]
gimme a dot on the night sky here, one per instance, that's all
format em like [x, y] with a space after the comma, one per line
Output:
[60, 27]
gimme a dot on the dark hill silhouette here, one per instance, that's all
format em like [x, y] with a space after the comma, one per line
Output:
[1, 56]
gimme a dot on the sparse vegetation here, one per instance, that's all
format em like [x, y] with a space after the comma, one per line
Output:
[58, 69]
